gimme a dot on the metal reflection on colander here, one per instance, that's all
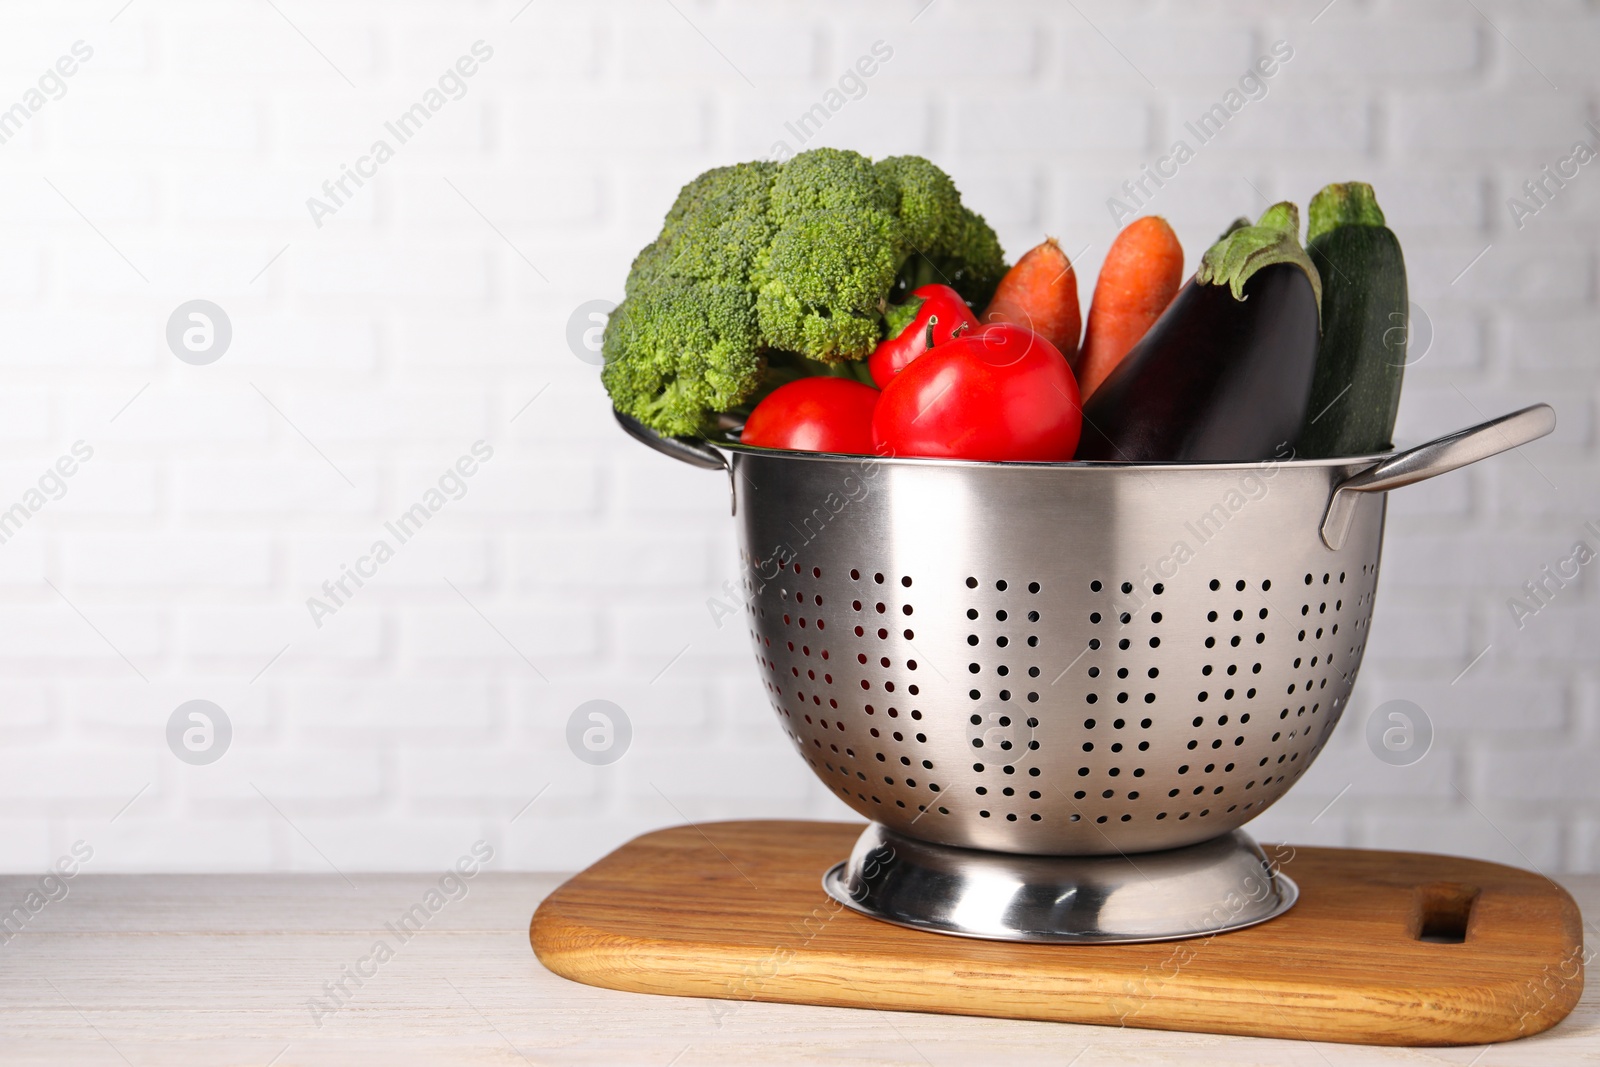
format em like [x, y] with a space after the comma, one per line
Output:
[1063, 661]
[1067, 661]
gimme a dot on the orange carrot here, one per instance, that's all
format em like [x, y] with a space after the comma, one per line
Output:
[1139, 278]
[1041, 293]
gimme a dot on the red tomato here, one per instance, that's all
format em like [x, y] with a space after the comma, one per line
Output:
[941, 306]
[814, 415]
[1002, 393]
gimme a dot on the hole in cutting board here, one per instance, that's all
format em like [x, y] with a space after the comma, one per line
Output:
[1443, 911]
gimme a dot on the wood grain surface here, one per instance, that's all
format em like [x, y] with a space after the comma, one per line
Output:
[735, 911]
[197, 970]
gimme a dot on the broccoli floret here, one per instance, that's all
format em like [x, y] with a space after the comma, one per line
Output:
[974, 270]
[683, 343]
[821, 285]
[826, 179]
[714, 230]
[925, 199]
[678, 351]
[950, 243]
[800, 257]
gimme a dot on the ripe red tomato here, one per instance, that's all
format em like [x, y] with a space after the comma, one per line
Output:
[939, 306]
[1002, 393]
[814, 415]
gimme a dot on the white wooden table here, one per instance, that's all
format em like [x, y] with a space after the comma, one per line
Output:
[215, 969]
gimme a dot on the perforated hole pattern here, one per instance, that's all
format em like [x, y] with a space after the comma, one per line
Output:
[1054, 717]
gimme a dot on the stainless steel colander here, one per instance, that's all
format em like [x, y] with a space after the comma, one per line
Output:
[1072, 659]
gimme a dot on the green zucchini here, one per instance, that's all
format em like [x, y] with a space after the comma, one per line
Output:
[1355, 392]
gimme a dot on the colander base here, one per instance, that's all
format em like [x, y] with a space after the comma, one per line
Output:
[1226, 883]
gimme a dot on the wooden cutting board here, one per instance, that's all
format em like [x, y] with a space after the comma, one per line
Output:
[735, 911]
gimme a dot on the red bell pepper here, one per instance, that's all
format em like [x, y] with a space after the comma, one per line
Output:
[937, 314]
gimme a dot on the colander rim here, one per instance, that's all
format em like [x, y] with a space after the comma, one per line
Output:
[1365, 460]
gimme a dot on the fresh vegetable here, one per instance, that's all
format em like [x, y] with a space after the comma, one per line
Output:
[1239, 223]
[1041, 294]
[801, 256]
[814, 415]
[932, 316]
[1002, 393]
[1140, 276]
[1355, 393]
[1225, 373]
[781, 368]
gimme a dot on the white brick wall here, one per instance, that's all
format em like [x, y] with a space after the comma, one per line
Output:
[406, 327]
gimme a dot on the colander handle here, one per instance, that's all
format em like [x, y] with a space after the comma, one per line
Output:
[1436, 457]
[695, 453]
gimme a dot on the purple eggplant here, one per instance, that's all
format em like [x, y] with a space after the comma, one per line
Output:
[1224, 375]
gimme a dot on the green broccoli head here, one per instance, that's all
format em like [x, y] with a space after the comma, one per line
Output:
[678, 351]
[950, 243]
[970, 260]
[822, 282]
[800, 257]
[925, 200]
[714, 230]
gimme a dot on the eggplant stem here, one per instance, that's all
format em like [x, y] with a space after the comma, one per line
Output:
[1241, 252]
